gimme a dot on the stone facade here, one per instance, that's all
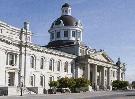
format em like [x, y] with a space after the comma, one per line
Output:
[23, 63]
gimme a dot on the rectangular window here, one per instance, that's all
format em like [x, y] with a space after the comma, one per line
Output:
[73, 33]
[52, 36]
[79, 34]
[65, 33]
[58, 35]
[11, 59]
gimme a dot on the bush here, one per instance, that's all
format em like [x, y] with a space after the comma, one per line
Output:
[119, 85]
[54, 84]
[82, 82]
[74, 84]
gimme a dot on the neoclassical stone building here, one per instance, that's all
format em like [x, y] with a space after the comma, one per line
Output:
[34, 66]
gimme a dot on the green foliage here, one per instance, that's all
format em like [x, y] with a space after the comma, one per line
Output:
[54, 84]
[63, 82]
[119, 84]
[82, 82]
[73, 83]
[66, 82]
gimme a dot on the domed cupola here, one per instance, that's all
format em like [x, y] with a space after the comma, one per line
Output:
[66, 29]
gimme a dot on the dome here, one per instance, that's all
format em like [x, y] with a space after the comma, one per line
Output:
[67, 20]
[66, 5]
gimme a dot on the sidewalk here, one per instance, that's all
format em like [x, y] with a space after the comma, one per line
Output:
[66, 95]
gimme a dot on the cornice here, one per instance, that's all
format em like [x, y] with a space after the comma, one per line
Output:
[35, 47]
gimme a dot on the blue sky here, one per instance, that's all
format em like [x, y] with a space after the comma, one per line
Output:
[108, 24]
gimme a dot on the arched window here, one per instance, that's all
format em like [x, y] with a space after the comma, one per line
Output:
[58, 65]
[42, 63]
[42, 80]
[32, 62]
[66, 67]
[32, 80]
[51, 65]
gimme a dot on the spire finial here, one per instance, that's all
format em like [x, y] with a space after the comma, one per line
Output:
[66, 9]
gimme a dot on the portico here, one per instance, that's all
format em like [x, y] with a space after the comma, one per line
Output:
[97, 71]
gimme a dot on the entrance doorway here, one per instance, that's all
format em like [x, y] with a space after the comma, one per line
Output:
[11, 78]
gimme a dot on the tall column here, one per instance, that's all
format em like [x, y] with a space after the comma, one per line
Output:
[95, 77]
[87, 71]
[100, 78]
[103, 78]
[109, 79]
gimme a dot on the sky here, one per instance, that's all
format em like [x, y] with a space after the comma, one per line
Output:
[108, 24]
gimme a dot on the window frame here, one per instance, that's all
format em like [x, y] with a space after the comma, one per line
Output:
[42, 63]
[59, 65]
[52, 36]
[58, 34]
[11, 61]
[32, 62]
[73, 33]
[66, 67]
[66, 33]
[51, 65]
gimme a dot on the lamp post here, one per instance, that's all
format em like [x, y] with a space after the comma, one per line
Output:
[21, 86]
[26, 27]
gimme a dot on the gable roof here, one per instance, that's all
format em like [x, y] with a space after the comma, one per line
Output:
[101, 56]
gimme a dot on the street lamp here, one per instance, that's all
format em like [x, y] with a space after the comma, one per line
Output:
[21, 86]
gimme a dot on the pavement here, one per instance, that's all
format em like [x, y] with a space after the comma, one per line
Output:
[83, 95]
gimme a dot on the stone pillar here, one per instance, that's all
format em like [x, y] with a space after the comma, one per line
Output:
[100, 78]
[103, 78]
[109, 79]
[95, 77]
[87, 71]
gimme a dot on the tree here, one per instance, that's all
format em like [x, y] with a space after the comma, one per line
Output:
[63, 82]
[66, 82]
[54, 84]
[117, 84]
[82, 82]
[71, 83]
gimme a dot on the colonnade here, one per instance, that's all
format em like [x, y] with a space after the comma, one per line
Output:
[100, 76]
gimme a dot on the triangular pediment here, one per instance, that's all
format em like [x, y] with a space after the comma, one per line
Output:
[102, 56]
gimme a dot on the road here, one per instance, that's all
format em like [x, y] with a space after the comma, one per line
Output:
[84, 95]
